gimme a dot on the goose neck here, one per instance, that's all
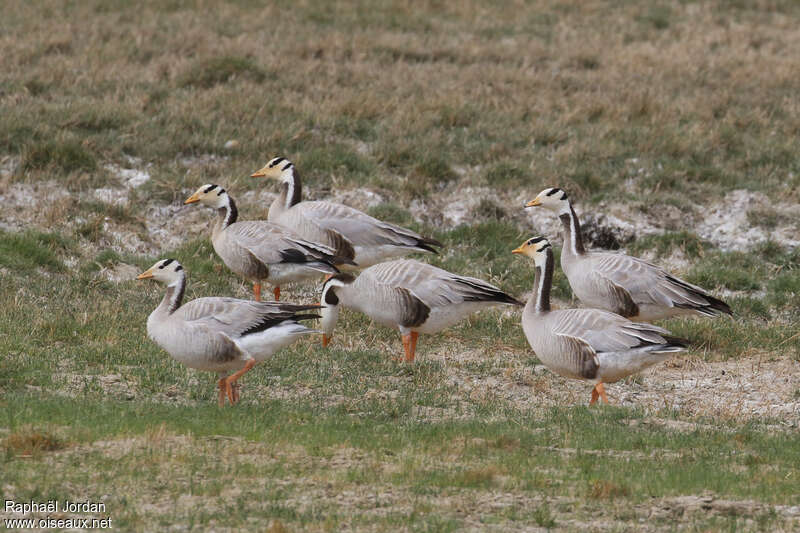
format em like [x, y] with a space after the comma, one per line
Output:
[226, 215]
[539, 300]
[291, 188]
[573, 240]
[174, 295]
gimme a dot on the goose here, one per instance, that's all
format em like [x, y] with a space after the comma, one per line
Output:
[411, 296]
[589, 344]
[353, 233]
[620, 283]
[258, 250]
[222, 335]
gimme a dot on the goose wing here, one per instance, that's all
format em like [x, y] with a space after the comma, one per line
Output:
[630, 281]
[271, 243]
[359, 228]
[234, 318]
[603, 331]
[434, 286]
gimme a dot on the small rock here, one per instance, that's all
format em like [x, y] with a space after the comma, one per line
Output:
[230, 145]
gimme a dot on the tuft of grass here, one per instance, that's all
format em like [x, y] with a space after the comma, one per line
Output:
[658, 16]
[391, 212]
[97, 119]
[25, 251]
[28, 441]
[505, 174]
[784, 290]
[603, 489]
[335, 159]
[208, 72]
[664, 244]
[736, 271]
[765, 217]
[543, 517]
[64, 156]
[488, 209]
[276, 526]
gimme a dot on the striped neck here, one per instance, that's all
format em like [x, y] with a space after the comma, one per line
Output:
[543, 281]
[174, 296]
[572, 232]
[291, 188]
[227, 214]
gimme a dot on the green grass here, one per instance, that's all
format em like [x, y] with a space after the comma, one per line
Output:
[408, 428]
[32, 249]
[216, 70]
[422, 105]
[64, 156]
[276, 442]
[690, 244]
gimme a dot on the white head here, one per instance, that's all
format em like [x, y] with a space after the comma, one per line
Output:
[167, 271]
[276, 168]
[535, 248]
[553, 199]
[209, 195]
[330, 302]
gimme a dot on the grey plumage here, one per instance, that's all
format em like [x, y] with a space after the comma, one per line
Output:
[221, 335]
[263, 251]
[590, 344]
[620, 283]
[353, 234]
[410, 296]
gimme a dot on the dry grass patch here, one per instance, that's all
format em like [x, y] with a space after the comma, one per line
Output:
[600, 489]
[28, 441]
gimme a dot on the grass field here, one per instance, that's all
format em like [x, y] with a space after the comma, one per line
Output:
[679, 120]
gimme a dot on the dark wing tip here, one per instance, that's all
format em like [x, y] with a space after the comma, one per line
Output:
[307, 317]
[342, 260]
[719, 306]
[676, 341]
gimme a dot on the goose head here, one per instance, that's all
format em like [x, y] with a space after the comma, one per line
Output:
[210, 195]
[330, 303]
[553, 199]
[276, 168]
[535, 248]
[167, 271]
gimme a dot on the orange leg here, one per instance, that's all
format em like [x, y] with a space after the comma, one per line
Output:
[409, 345]
[326, 340]
[257, 290]
[221, 392]
[231, 380]
[599, 391]
[602, 390]
[277, 292]
[235, 387]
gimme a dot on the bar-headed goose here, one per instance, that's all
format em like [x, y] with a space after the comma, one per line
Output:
[411, 296]
[262, 251]
[590, 344]
[354, 234]
[625, 285]
[222, 335]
